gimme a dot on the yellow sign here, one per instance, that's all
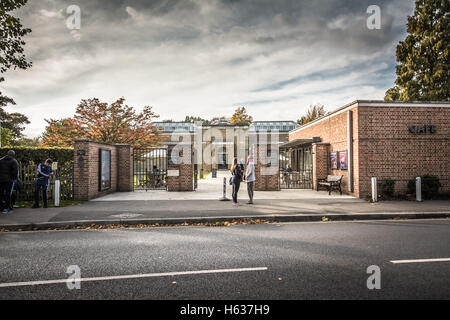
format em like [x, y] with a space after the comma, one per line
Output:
[55, 166]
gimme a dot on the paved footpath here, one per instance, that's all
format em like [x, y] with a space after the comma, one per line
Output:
[203, 206]
[170, 211]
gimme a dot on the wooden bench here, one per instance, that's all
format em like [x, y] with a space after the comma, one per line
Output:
[331, 182]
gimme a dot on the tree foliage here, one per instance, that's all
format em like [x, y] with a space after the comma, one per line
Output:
[314, 112]
[61, 133]
[27, 142]
[241, 116]
[115, 123]
[12, 56]
[11, 37]
[423, 72]
[193, 119]
[6, 137]
[15, 122]
[33, 155]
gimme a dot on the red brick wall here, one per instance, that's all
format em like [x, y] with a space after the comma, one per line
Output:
[384, 148]
[389, 150]
[86, 178]
[334, 132]
[185, 179]
[320, 162]
[125, 168]
[267, 177]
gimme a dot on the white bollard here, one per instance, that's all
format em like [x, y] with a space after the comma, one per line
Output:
[57, 192]
[224, 197]
[374, 190]
[419, 189]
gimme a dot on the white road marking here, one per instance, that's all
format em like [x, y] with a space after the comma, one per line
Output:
[420, 260]
[131, 276]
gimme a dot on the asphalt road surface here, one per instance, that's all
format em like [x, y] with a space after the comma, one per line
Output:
[273, 261]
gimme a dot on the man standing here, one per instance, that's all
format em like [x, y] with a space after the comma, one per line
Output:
[9, 169]
[250, 178]
[44, 171]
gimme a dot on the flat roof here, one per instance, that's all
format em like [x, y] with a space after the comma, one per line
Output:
[378, 103]
[298, 142]
[180, 126]
[274, 121]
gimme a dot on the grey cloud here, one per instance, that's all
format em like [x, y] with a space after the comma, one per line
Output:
[212, 53]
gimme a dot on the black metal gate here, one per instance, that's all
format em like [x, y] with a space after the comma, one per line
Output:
[296, 179]
[296, 168]
[150, 168]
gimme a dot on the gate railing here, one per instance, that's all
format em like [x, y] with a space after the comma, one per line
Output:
[150, 168]
[296, 179]
[28, 175]
[196, 173]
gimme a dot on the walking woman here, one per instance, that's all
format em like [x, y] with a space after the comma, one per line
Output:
[250, 178]
[236, 173]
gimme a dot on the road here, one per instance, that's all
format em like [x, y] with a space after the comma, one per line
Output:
[271, 261]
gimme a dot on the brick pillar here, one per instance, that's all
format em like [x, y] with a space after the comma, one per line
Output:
[86, 183]
[180, 177]
[320, 162]
[81, 170]
[125, 176]
[267, 177]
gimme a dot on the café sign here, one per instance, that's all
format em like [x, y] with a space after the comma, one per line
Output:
[422, 129]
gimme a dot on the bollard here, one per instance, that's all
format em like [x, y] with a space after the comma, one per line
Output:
[374, 190]
[419, 189]
[57, 192]
[224, 197]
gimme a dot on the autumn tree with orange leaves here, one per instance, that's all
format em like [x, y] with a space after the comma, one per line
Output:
[99, 121]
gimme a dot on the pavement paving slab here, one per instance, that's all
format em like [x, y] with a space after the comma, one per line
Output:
[157, 205]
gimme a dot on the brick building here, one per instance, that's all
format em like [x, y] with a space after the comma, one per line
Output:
[218, 143]
[364, 139]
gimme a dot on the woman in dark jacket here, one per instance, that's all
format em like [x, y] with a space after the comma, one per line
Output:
[236, 172]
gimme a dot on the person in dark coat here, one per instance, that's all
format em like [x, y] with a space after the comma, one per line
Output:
[237, 174]
[9, 169]
[44, 172]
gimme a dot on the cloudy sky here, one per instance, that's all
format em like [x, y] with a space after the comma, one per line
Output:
[206, 57]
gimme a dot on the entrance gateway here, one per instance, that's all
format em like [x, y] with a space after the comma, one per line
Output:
[150, 168]
[296, 164]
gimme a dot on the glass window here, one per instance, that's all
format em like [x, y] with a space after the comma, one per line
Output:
[105, 170]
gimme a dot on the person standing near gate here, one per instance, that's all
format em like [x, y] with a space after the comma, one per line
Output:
[237, 178]
[9, 169]
[44, 171]
[250, 178]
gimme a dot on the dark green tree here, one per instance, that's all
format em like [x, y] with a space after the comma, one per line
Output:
[423, 72]
[14, 121]
[12, 56]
